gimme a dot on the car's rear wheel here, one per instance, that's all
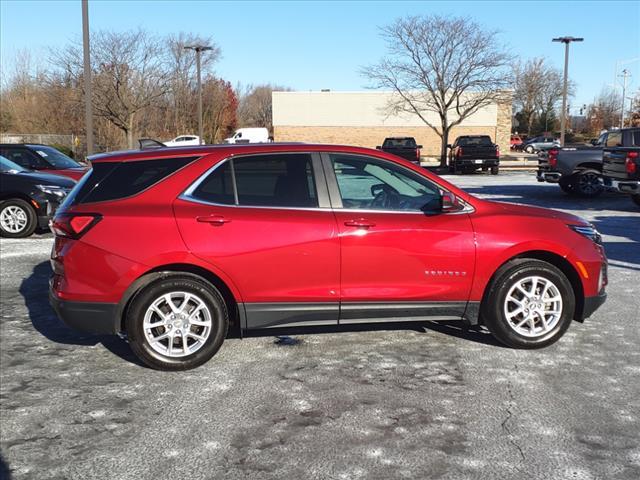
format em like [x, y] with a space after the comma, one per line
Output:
[17, 218]
[177, 323]
[495, 170]
[529, 149]
[566, 184]
[587, 183]
[636, 199]
[530, 304]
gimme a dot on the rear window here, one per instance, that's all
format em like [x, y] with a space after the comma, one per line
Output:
[399, 143]
[469, 141]
[115, 180]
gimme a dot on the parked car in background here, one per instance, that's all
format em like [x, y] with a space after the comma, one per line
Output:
[403, 147]
[28, 199]
[621, 162]
[576, 170]
[43, 158]
[536, 144]
[515, 142]
[249, 135]
[471, 152]
[183, 141]
[276, 235]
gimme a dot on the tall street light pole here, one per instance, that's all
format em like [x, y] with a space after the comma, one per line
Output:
[88, 108]
[198, 49]
[563, 118]
[625, 74]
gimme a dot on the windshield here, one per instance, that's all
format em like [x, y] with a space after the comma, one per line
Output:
[7, 165]
[54, 157]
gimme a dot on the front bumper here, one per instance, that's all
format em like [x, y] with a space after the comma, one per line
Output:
[88, 317]
[591, 304]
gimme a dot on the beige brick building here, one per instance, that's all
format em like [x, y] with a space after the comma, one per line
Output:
[360, 118]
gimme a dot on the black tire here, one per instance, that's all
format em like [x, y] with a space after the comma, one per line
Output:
[495, 170]
[529, 149]
[636, 199]
[587, 183]
[210, 296]
[452, 168]
[566, 184]
[29, 212]
[493, 305]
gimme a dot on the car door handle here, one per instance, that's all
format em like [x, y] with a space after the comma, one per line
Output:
[360, 223]
[217, 220]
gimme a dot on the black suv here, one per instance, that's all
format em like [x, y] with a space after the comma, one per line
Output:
[28, 199]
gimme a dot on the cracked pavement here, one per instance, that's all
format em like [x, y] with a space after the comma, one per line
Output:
[398, 401]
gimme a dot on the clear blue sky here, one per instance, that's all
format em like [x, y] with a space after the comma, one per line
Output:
[314, 45]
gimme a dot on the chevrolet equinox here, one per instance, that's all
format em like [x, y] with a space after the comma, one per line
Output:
[169, 246]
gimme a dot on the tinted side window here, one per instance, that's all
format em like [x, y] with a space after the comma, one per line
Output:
[113, 180]
[217, 187]
[275, 181]
[636, 138]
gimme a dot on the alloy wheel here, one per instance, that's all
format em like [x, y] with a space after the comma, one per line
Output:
[533, 306]
[177, 324]
[13, 219]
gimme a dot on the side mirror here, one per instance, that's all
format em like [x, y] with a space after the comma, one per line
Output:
[449, 202]
[449, 145]
[418, 146]
[379, 147]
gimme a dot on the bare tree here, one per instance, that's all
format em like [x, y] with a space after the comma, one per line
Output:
[129, 73]
[256, 107]
[537, 91]
[604, 112]
[448, 66]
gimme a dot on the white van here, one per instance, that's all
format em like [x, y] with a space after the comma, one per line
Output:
[183, 141]
[249, 135]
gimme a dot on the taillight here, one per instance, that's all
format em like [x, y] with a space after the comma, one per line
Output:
[497, 151]
[553, 157]
[459, 152]
[630, 163]
[418, 155]
[74, 225]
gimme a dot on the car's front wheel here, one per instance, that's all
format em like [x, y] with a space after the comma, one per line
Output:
[529, 149]
[17, 218]
[530, 304]
[177, 323]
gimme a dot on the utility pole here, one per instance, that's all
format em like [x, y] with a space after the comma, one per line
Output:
[88, 107]
[625, 74]
[198, 49]
[563, 118]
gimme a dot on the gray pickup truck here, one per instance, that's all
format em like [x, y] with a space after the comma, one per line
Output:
[404, 147]
[577, 170]
[621, 159]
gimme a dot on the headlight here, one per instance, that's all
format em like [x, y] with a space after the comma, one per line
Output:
[52, 190]
[588, 231]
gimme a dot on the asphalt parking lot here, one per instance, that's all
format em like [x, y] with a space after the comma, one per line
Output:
[403, 402]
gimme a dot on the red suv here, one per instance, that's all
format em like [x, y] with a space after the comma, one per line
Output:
[169, 246]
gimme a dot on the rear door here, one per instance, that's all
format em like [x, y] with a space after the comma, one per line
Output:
[397, 262]
[266, 222]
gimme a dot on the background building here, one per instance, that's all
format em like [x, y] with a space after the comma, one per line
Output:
[361, 118]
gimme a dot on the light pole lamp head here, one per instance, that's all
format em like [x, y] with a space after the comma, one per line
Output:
[568, 39]
[198, 48]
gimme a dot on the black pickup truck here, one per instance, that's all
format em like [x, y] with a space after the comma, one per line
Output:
[621, 162]
[470, 152]
[404, 147]
[576, 169]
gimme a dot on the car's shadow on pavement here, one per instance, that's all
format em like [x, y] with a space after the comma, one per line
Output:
[35, 291]
[5, 472]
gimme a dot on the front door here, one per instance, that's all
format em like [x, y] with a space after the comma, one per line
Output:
[265, 221]
[399, 260]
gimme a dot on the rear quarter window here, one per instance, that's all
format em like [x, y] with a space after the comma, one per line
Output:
[116, 180]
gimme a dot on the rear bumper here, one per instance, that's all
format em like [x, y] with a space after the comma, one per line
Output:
[550, 177]
[89, 317]
[591, 304]
[625, 186]
[477, 162]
